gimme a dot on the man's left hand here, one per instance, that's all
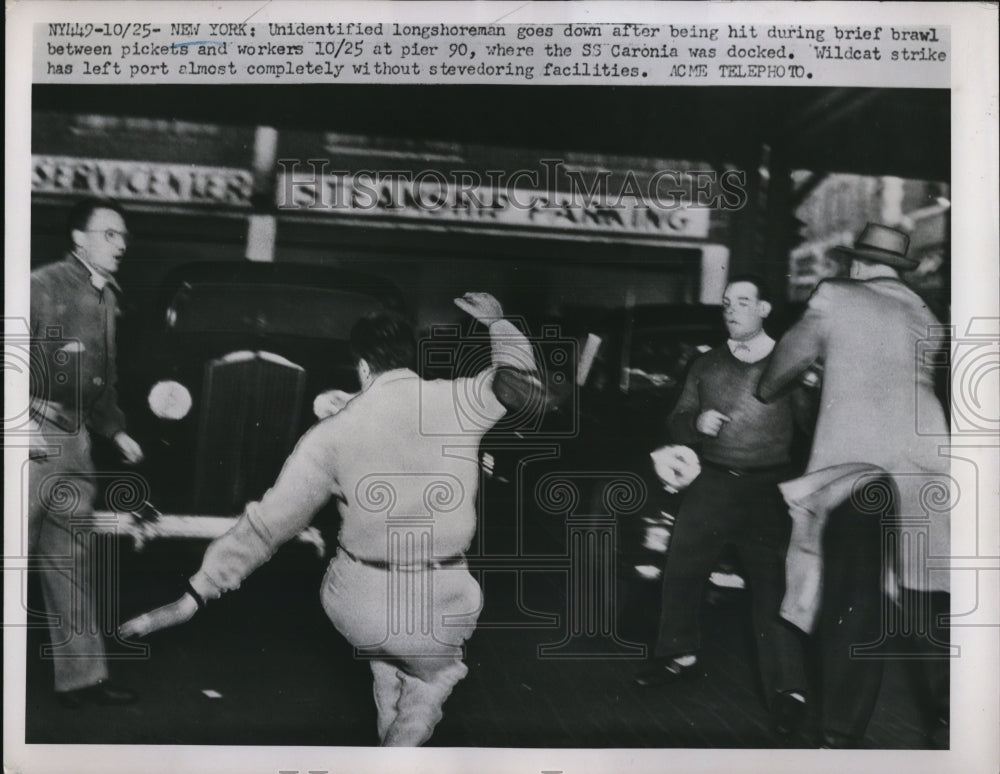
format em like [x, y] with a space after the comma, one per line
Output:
[129, 448]
[483, 306]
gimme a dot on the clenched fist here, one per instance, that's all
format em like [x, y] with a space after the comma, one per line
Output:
[710, 422]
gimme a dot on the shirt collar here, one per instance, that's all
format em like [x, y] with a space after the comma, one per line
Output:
[751, 350]
[97, 279]
[393, 375]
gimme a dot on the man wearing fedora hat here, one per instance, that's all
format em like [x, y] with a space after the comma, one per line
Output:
[876, 393]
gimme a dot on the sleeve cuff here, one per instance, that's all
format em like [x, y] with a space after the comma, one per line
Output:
[201, 583]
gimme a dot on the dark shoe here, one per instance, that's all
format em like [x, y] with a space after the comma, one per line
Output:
[787, 712]
[663, 672]
[103, 693]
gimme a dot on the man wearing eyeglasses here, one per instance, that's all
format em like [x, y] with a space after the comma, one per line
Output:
[74, 309]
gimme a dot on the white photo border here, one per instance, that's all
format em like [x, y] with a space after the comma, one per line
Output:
[975, 280]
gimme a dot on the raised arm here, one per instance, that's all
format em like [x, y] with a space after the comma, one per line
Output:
[512, 383]
[510, 347]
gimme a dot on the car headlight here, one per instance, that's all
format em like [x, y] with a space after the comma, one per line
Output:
[170, 400]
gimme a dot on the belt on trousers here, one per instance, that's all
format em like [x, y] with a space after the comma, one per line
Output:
[379, 564]
[740, 472]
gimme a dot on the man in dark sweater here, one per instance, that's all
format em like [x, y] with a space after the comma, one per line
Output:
[744, 448]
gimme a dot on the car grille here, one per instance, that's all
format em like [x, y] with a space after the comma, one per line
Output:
[249, 423]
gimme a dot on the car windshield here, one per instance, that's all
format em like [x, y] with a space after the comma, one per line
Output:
[267, 309]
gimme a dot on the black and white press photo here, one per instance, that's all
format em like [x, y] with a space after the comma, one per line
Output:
[500, 388]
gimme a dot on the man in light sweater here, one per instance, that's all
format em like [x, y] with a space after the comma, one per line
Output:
[744, 448]
[401, 457]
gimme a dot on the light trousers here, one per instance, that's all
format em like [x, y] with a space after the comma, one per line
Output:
[411, 625]
[60, 506]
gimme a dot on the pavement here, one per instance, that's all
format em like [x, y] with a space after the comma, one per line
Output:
[264, 666]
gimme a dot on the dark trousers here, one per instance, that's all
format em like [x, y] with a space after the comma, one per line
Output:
[857, 624]
[928, 637]
[748, 512]
[850, 619]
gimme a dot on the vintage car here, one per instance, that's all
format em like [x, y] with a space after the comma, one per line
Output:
[219, 395]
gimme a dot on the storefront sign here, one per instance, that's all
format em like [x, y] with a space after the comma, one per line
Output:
[141, 181]
[429, 199]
